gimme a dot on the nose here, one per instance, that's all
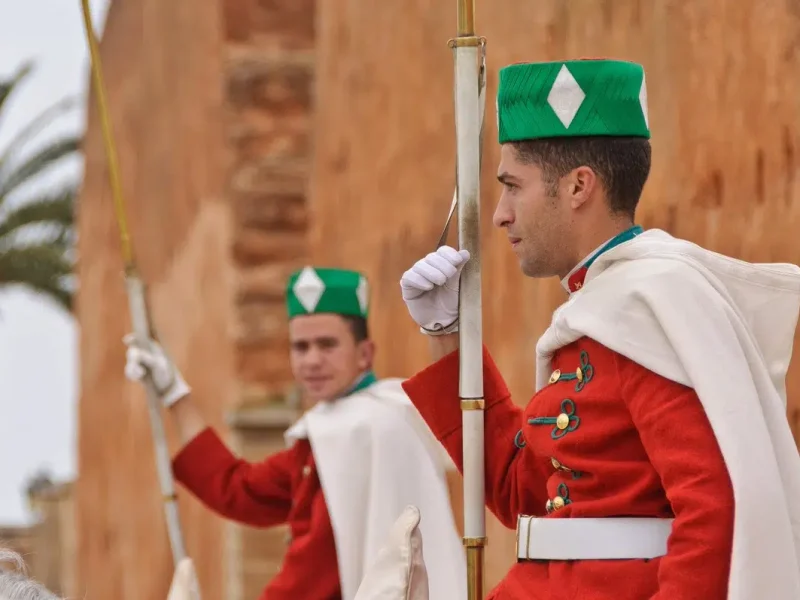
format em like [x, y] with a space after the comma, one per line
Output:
[313, 356]
[503, 215]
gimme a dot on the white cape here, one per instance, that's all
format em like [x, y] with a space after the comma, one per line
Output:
[398, 572]
[375, 456]
[724, 327]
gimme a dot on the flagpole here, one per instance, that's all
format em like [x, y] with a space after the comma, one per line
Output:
[469, 51]
[137, 300]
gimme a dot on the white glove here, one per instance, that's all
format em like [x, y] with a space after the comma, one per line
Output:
[141, 360]
[430, 290]
[184, 581]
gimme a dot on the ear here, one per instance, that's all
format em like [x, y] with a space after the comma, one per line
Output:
[366, 354]
[581, 185]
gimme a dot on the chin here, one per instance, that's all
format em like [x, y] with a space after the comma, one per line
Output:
[313, 392]
[528, 269]
[326, 392]
[534, 270]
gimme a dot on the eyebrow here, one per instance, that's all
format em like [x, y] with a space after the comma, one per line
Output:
[324, 339]
[506, 177]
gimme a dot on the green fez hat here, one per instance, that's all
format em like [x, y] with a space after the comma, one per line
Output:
[315, 290]
[571, 98]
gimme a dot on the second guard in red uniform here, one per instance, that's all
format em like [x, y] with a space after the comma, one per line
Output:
[353, 462]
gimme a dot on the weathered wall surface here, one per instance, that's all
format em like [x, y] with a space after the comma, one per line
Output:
[212, 112]
[163, 65]
[723, 107]
[47, 545]
[269, 72]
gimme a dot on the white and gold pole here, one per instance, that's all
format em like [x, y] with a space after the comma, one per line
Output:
[469, 52]
[137, 300]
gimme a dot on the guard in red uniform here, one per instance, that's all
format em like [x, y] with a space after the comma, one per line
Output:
[355, 459]
[635, 470]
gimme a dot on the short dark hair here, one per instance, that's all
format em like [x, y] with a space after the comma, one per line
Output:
[358, 326]
[621, 163]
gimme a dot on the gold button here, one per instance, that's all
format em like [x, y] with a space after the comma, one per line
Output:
[562, 422]
[554, 377]
[579, 374]
[306, 470]
[558, 502]
[555, 463]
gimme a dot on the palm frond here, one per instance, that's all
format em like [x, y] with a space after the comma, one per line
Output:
[37, 163]
[53, 209]
[43, 261]
[36, 126]
[42, 268]
[7, 87]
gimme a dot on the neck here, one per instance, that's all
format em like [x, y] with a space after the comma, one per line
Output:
[361, 381]
[594, 238]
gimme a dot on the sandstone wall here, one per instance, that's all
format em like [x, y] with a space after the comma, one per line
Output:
[211, 109]
[163, 65]
[268, 80]
[54, 543]
[723, 106]
[48, 544]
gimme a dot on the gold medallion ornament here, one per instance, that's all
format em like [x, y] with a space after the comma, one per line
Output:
[562, 421]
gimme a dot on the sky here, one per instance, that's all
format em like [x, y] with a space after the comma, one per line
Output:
[38, 342]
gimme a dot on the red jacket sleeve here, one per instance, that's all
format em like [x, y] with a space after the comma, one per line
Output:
[683, 449]
[515, 480]
[257, 494]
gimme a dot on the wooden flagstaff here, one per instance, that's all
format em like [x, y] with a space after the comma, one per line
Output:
[140, 317]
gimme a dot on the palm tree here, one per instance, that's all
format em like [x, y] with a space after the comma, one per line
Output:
[37, 233]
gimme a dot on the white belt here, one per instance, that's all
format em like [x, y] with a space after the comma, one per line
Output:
[591, 539]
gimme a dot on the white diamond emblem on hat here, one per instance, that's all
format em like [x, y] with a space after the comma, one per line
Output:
[362, 293]
[565, 97]
[643, 101]
[309, 289]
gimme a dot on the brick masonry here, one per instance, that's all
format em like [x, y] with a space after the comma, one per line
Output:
[268, 89]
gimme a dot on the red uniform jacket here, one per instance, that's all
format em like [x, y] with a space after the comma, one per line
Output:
[284, 488]
[636, 445]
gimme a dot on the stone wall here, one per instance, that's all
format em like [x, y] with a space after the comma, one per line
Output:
[164, 64]
[269, 72]
[268, 77]
[54, 543]
[211, 107]
[47, 545]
